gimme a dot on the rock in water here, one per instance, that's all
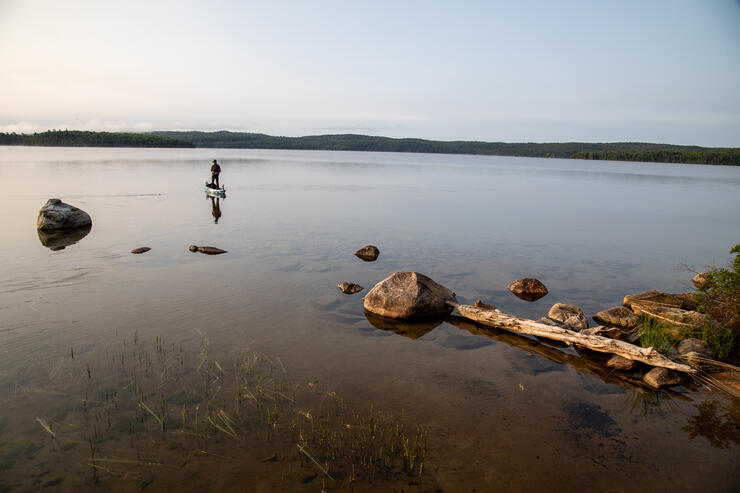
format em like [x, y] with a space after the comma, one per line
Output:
[349, 288]
[655, 298]
[209, 250]
[661, 377]
[193, 248]
[409, 295]
[140, 250]
[55, 214]
[620, 363]
[368, 253]
[570, 316]
[619, 316]
[528, 289]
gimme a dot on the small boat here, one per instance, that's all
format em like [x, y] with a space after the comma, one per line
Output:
[213, 191]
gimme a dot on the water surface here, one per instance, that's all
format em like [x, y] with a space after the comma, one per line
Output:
[502, 412]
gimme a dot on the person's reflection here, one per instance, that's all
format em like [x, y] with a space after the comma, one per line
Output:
[215, 209]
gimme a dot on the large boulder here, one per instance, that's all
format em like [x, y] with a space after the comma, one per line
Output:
[528, 289]
[619, 316]
[570, 316]
[409, 295]
[56, 215]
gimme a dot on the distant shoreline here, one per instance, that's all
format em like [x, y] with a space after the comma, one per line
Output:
[615, 151]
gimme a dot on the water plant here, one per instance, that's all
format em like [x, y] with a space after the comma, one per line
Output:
[651, 332]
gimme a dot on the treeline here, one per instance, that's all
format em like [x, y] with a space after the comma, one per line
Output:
[77, 138]
[353, 142]
[728, 157]
[616, 151]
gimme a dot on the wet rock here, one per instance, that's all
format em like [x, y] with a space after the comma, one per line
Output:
[349, 288]
[208, 250]
[368, 253]
[59, 239]
[661, 377]
[619, 316]
[675, 316]
[571, 316]
[620, 363]
[695, 345]
[409, 295]
[551, 321]
[140, 250]
[528, 289]
[55, 215]
[701, 279]
[655, 298]
[480, 304]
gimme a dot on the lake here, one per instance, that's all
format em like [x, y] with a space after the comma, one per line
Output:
[250, 370]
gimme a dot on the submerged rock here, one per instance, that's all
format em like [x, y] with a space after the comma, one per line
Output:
[619, 316]
[140, 250]
[368, 253]
[409, 295]
[55, 215]
[59, 239]
[349, 288]
[208, 250]
[528, 289]
[661, 377]
[570, 316]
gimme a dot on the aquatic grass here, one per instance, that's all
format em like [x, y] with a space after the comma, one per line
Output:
[651, 332]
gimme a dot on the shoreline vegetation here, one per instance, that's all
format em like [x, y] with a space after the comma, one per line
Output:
[615, 151]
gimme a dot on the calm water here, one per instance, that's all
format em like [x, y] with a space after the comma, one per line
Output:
[502, 413]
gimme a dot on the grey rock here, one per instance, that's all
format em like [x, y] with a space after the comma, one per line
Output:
[368, 253]
[620, 363]
[140, 250]
[349, 288]
[409, 295]
[570, 316]
[619, 316]
[528, 289]
[661, 377]
[695, 345]
[55, 215]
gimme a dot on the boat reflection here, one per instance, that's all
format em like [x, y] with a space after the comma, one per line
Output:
[59, 240]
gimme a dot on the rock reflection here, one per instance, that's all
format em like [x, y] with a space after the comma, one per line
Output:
[718, 422]
[413, 329]
[60, 239]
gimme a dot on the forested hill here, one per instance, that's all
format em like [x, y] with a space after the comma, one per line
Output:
[616, 151]
[76, 138]
[353, 142]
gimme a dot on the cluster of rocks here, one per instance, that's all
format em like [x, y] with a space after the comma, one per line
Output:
[368, 253]
[59, 225]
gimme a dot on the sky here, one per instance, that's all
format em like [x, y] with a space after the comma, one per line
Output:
[663, 71]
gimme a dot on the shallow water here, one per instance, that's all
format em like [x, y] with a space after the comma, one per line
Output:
[501, 412]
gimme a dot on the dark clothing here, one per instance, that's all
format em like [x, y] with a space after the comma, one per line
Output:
[215, 171]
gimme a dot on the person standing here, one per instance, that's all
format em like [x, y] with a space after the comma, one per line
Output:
[215, 171]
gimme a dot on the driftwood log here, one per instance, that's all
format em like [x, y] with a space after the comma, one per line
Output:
[498, 319]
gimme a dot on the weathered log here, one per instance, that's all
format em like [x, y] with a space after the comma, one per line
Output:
[498, 319]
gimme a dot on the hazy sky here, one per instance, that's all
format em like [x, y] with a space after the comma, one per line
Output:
[594, 70]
